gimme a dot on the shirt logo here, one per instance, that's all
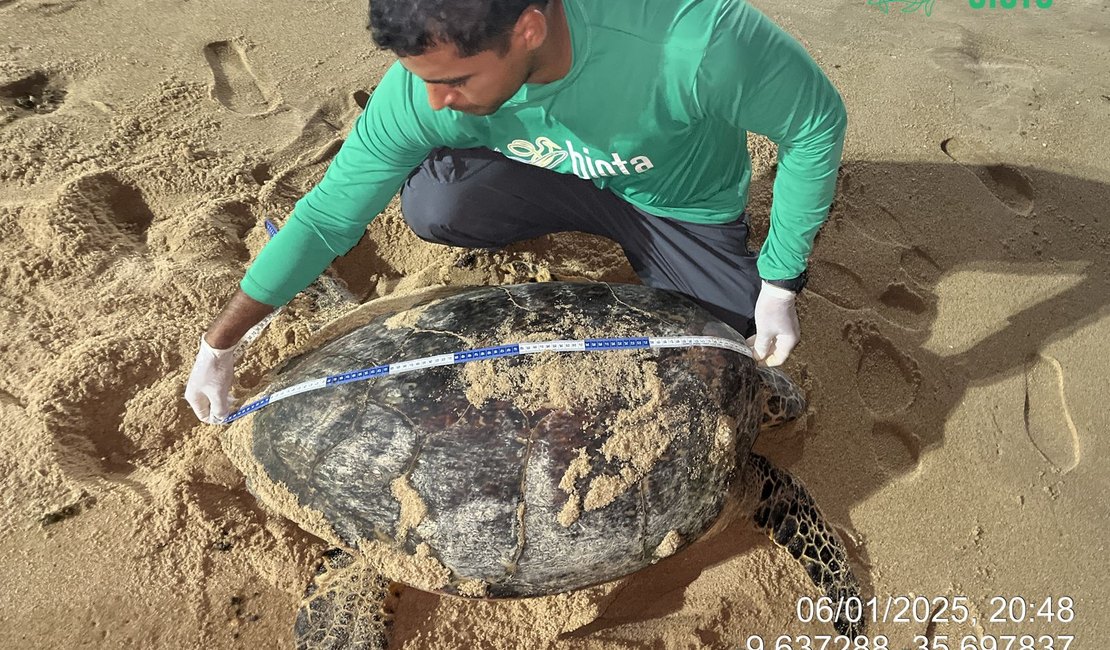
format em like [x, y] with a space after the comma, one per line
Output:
[545, 153]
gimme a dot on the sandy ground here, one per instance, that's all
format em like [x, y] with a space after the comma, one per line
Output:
[954, 350]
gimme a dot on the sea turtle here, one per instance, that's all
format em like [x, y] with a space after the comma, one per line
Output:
[525, 475]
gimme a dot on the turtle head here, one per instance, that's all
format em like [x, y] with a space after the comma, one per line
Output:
[783, 399]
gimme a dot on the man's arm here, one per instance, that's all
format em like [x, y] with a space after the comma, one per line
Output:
[239, 315]
[385, 144]
[759, 78]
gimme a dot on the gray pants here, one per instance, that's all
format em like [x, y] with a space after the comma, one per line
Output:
[477, 198]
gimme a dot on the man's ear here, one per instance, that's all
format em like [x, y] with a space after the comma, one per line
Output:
[531, 28]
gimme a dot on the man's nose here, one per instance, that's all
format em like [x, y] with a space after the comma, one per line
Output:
[440, 96]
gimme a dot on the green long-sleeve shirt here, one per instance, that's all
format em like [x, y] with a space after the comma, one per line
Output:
[656, 108]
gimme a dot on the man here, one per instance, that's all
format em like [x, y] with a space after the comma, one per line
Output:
[509, 119]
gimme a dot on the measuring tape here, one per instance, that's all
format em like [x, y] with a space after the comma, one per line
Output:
[256, 331]
[497, 351]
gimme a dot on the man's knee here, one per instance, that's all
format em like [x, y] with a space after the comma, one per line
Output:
[430, 207]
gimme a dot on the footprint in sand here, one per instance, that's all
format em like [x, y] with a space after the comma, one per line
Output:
[285, 182]
[995, 92]
[8, 398]
[920, 266]
[1048, 421]
[901, 298]
[286, 187]
[838, 284]
[116, 206]
[899, 302]
[215, 232]
[1008, 184]
[887, 379]
[44, 7]
[855, 208]
[301, 163]
[83, 398]
[34, 93]
[93, 220]
[894, 448]
[234, 82]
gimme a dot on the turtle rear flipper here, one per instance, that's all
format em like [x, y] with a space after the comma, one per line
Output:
[785, 510]
[347, 606]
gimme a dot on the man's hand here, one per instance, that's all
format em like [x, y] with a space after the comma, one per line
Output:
[776, 325]
[209, 387]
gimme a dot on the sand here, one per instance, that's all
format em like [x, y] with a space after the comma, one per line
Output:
[954, 348]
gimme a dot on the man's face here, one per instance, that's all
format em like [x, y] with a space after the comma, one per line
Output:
[477, 84]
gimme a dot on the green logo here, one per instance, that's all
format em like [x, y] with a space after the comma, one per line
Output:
[910, 5]
[1007, 4]
[926, 6]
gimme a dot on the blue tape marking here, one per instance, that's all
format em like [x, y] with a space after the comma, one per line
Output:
[617, 343]
[357, 375]
[248, 409]
[487, 353]
[270, 227]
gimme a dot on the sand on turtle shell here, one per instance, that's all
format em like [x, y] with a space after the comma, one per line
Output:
[561, 380]
[407, 318]
[422, 570]
[473, 588]
[636, 436]
[672, 541]
[579, 468]
[639, 436]
[413, 508]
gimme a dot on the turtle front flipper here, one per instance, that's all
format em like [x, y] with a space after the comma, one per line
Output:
[783, 399]
[347, 606]
[785, 510]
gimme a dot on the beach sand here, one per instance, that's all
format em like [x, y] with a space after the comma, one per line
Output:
[954, 345]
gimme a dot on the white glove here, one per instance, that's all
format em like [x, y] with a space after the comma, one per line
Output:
[776, 325]
[209, 387]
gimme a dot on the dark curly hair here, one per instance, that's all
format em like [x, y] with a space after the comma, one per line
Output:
[411, 27]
